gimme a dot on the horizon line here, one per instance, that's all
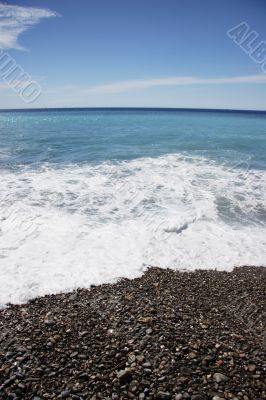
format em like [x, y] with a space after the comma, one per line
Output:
[134, 108]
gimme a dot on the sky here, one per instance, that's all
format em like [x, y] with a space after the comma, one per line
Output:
[135, 53]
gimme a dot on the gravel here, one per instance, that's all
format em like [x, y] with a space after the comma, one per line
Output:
[166, 335]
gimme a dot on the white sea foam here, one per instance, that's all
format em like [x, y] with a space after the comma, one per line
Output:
[63, 228]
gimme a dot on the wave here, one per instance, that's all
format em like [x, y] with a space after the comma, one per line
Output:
[77, 225]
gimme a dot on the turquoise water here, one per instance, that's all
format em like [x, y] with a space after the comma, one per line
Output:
[88, 196]
[83, 136]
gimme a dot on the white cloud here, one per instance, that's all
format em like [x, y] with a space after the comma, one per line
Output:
[14, 20]
[126, 86]
[135, 93]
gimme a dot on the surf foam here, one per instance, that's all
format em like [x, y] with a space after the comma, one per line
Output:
[73, 226]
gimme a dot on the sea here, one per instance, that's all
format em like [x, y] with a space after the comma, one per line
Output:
[89, 196]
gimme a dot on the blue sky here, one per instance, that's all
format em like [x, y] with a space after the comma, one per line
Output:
[141, 53]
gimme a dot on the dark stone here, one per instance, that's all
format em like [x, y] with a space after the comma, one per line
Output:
[124, 376]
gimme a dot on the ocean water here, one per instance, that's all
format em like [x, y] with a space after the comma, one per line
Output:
[89, 196]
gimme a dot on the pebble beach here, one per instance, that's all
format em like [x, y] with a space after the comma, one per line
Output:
[166, 335]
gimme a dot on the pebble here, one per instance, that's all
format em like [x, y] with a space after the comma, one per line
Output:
[163, 395]
[146, 365]
[252, 367]
[218, 377]
[131, 358]
[64, 394]
[124, 376]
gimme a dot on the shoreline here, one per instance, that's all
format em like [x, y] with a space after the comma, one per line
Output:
[166, 335]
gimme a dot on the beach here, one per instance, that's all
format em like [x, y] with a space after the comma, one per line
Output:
[91, 195]
[166, 335]
[132, 200]
[90, 200]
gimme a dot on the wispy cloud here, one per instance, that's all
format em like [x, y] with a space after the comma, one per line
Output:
[108, 95]
[126, 86]
[142, 84]
[14, 20]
